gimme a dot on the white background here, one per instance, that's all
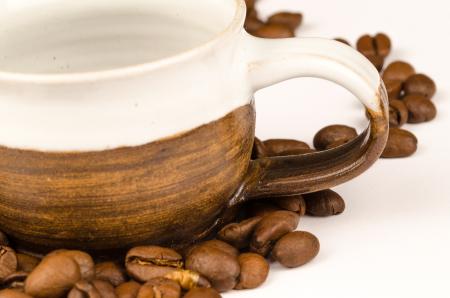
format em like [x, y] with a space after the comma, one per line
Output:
[394, 238]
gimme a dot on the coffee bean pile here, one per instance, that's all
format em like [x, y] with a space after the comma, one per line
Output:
[410, 94]
[238, 258]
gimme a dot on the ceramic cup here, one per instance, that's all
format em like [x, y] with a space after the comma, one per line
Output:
[131, 122]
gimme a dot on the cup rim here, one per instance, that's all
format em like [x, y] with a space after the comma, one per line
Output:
[66, 78]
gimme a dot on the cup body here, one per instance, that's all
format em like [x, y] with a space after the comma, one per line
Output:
[105, 145]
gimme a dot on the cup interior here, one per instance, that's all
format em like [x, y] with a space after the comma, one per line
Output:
[73, 36]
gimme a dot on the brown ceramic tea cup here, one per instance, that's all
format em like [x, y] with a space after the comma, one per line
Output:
[132, 122]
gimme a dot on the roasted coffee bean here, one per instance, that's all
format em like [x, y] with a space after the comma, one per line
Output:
[377, 61]
[289, 19]
[329, 136]
[324, 203]
[26, 263]
[271, 228]
[255, 209]
[160, 288]
[188, 279]
[110, 272]
[15, 280]
[9, 293]
[419, 108]
[202, 293]
[398, 71]
[239, 234]
[282, 147]
[259, 149]
[84, 260]
[379, 45]
[220, 268]
[296, 249]
[393, 88]
[105, 289]
[250, 4]
[147, 262]
[274, 31]
[291, 203]
[401, 143]
[55, 275]
[221, 245]
[344, 41]
[254, 271]
[251, 13]
[128, 289]
[420, 84]
[3, 239]
[84, 289]
[398, 113]
[252, 24]
[8, 261]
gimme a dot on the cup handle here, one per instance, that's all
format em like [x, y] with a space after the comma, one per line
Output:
[274, 60]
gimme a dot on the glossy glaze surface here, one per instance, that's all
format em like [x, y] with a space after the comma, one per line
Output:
[163, 192]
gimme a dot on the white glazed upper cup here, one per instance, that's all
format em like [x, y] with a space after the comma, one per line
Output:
[95, 75]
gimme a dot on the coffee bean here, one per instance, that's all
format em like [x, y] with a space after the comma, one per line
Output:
[259, 149]
[84, 289]
[202, 293]
[188, 279]
[393, 88]
[398, 113]
[239, 234]
[271, 228]
[274, 31]
[296, 249]
[291, 203]
[344, 41]
[377, 46]
[15, 280]
[377, 61]
[160, 288]
[252, 24]
[399, 71]
[254, 271]
[330, 136]
[250, 4]
[220, 268]
[401, 143]
[251, 13]
[26, 263]
[420, 108]
[83, 260]
[128, 290]
[147, 262]
[8, 261]
[3, 239]
[110, 272]
[223, 246]
[420, 84]
[324, 203]
[282, 147]
[289, 19]
[255, 209]
[8, 293]
[55, 275]
[105, 289]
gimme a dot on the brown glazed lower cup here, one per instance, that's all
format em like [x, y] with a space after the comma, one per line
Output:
[169, 192]
[73, 170]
